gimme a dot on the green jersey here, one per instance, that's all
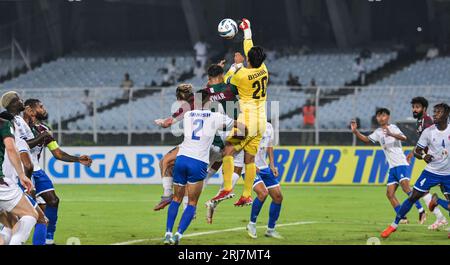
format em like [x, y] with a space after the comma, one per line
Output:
[6, 130]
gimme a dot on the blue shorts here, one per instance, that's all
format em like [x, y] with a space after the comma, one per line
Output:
[31, 200]
[188, 170]
[42, 182]
[427, 180]
[265, 176]
[397, 175]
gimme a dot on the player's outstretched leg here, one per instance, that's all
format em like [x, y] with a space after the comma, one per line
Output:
[274, 211]
[194, 191]
[404, 209]
[28, 217]
[250, 175]
[435, 201]
[390, 194]
[166, 166]
[228, 169]
[407, 189]
[440, 218]
[172, 213]
[261, 195]
[51, 211]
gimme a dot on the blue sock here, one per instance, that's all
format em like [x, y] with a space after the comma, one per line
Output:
[40, 232]
[417, 203]
[186, 219]
[443, 204]
[274, 213]
[397, 208]
[52, 215]
[256, 208]
[404, 209]
[172, 215]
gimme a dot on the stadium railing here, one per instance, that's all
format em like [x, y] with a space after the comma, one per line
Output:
[107, 116]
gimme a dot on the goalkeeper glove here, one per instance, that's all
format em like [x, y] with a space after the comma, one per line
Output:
[245, 26]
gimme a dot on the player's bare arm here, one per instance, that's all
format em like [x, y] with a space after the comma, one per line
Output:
[400, 137]
[11, 150]
[27, 164]
[63, 156]
[40, 139]
[357, 133]
[272, 161]
[420, 154]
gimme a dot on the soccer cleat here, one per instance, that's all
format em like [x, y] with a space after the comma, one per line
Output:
[272, 233]
[422, 217]
[168, 239]
[210, 208]
[176, 238]
[223, 195]
[438, 224]
[251, 230]
[245, 24]
[244, 201]
[165, 200]
[388, 231]
[433, 203]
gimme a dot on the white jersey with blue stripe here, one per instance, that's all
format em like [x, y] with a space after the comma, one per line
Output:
[266, 141]
[392, 147]
[200, 127]
[438, 143]
[23, 131]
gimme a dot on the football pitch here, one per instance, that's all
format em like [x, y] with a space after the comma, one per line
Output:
[325, 215]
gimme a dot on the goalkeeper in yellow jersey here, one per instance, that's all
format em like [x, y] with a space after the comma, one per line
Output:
[251, 82]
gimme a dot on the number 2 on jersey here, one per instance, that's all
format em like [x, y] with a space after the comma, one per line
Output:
[199, 124]
[260, 86]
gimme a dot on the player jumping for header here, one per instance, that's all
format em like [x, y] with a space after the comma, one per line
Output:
[251, 82]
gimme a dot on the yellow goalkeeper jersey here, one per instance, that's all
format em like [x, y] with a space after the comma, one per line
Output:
[251, 84]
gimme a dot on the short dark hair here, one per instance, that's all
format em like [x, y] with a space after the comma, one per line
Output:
[215, 70]
[382, 111]
[443, 105]
[420, 100]
[31, 102]
[256, 56]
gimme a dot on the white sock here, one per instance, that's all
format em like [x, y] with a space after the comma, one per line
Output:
[235, 179]
[6, 234]
[23, 229]
[211, 173]
[437, 212]
[185, 202]
[167, 183]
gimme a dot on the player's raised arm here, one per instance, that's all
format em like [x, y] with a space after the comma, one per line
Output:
[230, 77]
[396, 133]
[248, 42]
[358, 134]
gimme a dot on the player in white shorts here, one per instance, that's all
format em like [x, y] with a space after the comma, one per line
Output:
[12, 198]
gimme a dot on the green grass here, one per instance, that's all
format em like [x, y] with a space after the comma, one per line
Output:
[107, 214]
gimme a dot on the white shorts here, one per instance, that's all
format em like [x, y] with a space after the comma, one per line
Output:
[239, 159]
[10, 196]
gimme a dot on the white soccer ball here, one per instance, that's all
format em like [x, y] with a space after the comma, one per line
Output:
[227, 28]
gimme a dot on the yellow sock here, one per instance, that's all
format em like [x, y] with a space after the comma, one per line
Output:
[228, 169]
[250, 174]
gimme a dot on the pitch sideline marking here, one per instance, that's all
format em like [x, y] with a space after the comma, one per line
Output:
[209, 233]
